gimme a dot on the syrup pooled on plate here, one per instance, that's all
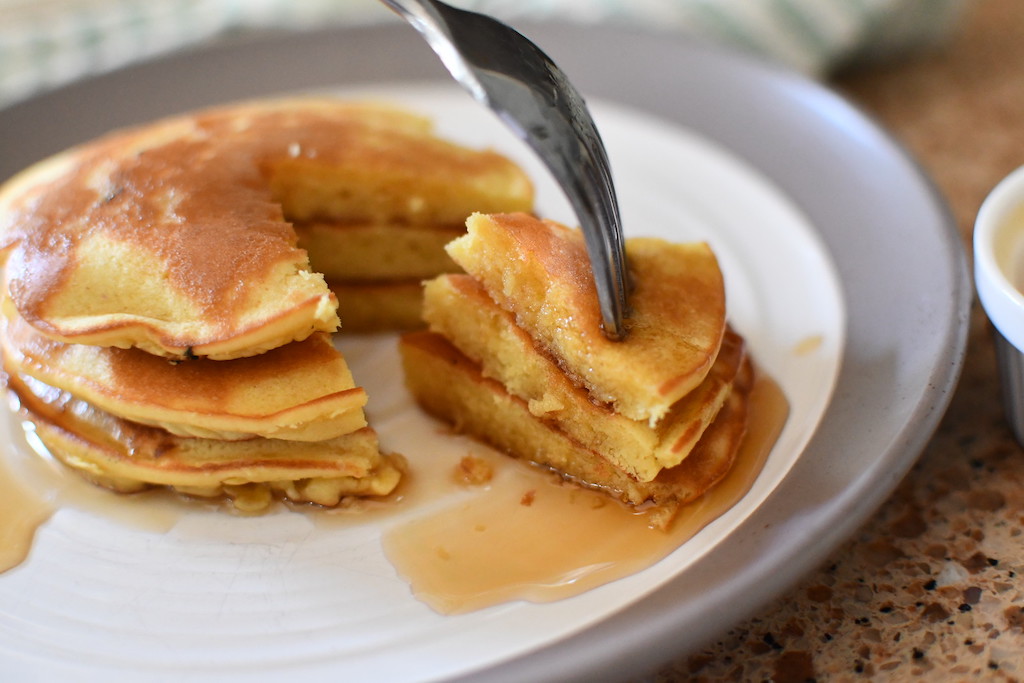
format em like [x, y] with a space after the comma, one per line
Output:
[23, 508]
[531, 537]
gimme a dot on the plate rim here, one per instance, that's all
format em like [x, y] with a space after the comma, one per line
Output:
[658, 629]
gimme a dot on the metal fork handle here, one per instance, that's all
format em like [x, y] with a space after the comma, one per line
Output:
[510, 75]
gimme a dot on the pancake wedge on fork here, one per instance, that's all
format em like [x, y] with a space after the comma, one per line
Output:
[538, 270]
[515, 356]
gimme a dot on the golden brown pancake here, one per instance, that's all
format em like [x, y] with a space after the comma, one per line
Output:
[301, 391]
[385, 306]
[459, 309]
[539, 271]
[378, 252]
[451, 387]
[128, 457]
[174, 237]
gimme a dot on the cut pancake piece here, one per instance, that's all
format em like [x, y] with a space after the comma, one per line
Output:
[373, 252]
[127, 457]
[370, 171]
[301, 391]
[174, 237]
[385, 306]
[458, 308]
[539, 271]
[451, 387]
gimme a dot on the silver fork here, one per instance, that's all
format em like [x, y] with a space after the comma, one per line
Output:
[509, 74]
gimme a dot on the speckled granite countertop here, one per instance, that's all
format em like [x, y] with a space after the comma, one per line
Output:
[932, 587]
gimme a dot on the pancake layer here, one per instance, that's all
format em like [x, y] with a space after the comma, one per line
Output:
[301, 391]
[126, 456]
[382, 306]
[379, 252]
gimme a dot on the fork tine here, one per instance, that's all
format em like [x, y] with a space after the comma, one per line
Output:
[512, 76]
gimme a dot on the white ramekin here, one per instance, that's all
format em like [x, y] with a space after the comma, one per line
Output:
[999, 277]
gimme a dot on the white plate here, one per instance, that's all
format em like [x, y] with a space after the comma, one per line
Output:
[279, 595]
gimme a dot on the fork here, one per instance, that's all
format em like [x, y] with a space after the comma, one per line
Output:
[506, 72]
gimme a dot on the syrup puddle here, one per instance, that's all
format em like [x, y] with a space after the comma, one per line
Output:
[23, 508]
[533, 538]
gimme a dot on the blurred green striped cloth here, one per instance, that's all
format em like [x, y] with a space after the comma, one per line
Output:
[47, 43]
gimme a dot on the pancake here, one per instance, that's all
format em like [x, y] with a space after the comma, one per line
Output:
[175, 237]
[453, 388]
[378, 252]
[539, 271]
[384, 306]
[129, 457]
[301, 391]
[458, 308]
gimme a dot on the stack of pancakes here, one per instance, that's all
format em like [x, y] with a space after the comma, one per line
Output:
[162, 324]
[515, 355]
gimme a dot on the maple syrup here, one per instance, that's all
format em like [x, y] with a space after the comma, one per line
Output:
[23, 508]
